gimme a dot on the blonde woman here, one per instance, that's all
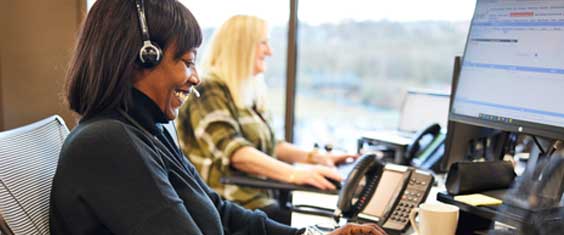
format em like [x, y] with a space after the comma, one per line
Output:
[226, 131]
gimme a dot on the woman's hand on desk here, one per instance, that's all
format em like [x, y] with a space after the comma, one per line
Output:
[315, 175]
[332, 159]
[359, 229]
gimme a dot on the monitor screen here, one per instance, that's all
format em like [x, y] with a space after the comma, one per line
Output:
[512, 74]
[460, 136]
[421, 108]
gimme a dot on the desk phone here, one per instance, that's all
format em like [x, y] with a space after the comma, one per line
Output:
[383, 193]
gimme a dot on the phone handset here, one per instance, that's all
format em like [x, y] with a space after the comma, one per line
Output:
[415, 148]
[360, 184]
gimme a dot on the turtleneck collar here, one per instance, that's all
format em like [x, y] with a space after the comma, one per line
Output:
[146, 112]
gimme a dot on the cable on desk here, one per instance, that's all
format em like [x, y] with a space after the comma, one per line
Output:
[313, 210]
[538, 145]
[555, 146]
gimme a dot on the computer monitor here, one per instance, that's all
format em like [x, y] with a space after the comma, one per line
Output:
[512, 74]
[467, 142]
[421, 108]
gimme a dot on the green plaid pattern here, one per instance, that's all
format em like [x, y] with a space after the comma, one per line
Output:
[211, 128]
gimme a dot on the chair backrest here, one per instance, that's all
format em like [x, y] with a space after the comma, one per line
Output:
[28, 160]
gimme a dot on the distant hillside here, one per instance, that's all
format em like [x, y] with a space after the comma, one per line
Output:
[370, 61]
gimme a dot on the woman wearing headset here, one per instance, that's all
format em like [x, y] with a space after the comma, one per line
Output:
[119, 171]
[226, 131]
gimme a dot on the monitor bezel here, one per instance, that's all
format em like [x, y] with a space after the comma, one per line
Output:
[517, 126]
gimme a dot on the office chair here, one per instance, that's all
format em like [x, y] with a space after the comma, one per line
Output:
[28, 157]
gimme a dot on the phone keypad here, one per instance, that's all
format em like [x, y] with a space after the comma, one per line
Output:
[401, 214]
[411, 197]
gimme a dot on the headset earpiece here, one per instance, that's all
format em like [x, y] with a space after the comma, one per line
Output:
[150, 54]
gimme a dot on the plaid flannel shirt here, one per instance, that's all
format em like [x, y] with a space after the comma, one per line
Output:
[211, 128]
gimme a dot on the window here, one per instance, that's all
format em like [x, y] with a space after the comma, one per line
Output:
[355, 61]
[89, 4]
[276, 13]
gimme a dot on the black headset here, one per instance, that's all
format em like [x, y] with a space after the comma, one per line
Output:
[150, 53]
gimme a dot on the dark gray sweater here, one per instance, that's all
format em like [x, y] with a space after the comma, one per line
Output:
[118, 176]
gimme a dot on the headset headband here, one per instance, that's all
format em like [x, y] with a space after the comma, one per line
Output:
[142, 20]
[150, 53]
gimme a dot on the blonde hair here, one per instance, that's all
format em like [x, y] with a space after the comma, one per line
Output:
[231, 55]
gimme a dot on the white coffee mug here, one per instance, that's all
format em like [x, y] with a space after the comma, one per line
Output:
[435, 219]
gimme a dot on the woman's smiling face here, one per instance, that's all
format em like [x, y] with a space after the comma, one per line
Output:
[263, 51]
[168, 84]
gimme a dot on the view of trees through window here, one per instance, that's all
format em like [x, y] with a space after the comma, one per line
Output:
[353, 73]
